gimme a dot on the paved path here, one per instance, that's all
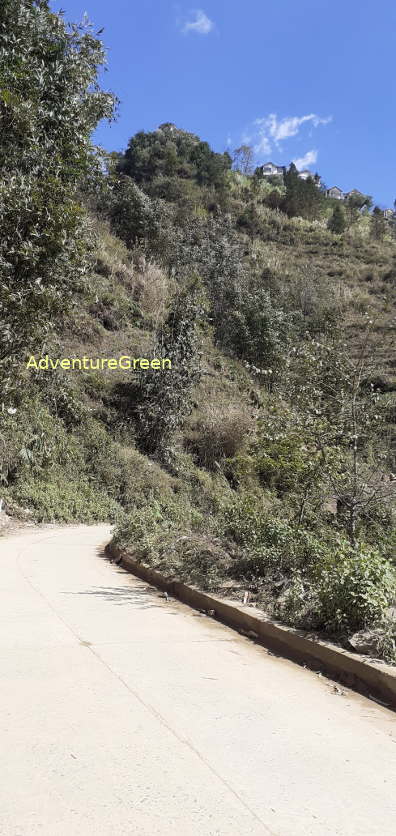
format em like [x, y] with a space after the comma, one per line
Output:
[122, 713]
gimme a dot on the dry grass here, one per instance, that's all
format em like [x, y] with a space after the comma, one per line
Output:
[153, 293]
[220, 432]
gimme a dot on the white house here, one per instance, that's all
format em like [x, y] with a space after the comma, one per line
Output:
[389, 214]
[305, 174]
[271, 170]
[335, 193]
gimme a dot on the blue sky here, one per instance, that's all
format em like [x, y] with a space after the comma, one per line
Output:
[309, 80]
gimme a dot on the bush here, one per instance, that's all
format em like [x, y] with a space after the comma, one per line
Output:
[146, 528]
[220, 433]
[269, 545]
[154, 295]
[139, 530]
[355, 589]
[256, 330]
[32, 441]
[195, 558]
[131, 212]
[66, 501]
[163, 398]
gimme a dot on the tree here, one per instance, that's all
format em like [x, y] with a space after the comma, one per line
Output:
[347, 421]
[303, 197]
[274, 199]
[358, 200]
[293, 190]
[311, 199]
[377, 224]
[337, 221]
[50, 102]
[243, 158]
[162, 399]
[257, 331]
[355, 203]
[130, 211]
[171, 152]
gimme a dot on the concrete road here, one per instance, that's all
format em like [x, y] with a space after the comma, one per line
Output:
[122, 713]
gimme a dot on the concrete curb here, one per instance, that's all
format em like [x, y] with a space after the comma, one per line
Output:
[367, 678]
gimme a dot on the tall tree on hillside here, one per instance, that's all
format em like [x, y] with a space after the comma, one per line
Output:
[377, 224]
[293, 189]
[163, 398]
[50, 102]
[348, 423]
[337, 221]
[303, 197]
[243, 159]
[355, 203]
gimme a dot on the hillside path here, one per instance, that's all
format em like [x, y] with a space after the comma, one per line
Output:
[124, 713]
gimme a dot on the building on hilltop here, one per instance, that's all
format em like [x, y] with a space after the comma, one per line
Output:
[389, 214]
[336, 193]
[270, 170]
[305, 174]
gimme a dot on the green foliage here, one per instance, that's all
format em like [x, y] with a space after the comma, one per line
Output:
[337, 222]
[354, 589]
[303, 197]
[162, 399]
[170, 152]
[130, 211]
[246, 521]
[142, 527]
[66, 501]
[250, 482]
[288, 459]
[257, 331]
[50, 102]
[377, 224]
[346, 422]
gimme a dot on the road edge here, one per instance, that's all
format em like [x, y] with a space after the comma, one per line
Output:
[378, 682]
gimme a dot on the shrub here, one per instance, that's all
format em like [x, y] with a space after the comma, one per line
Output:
[66, 500]
[355, 589]
[32, 441]
[140, 528]
[220, 433]
[154, 294]
[131, 212]
[256, 330]
[195, 558]
[384, 641]
[146, 528]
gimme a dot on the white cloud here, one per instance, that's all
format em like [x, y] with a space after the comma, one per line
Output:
[308, 159]
[201, 24]
[271, 131]
[263, 146]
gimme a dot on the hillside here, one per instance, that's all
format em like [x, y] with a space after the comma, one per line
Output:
[263, 460]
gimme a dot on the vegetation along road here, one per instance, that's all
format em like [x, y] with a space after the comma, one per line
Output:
[123, 712]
